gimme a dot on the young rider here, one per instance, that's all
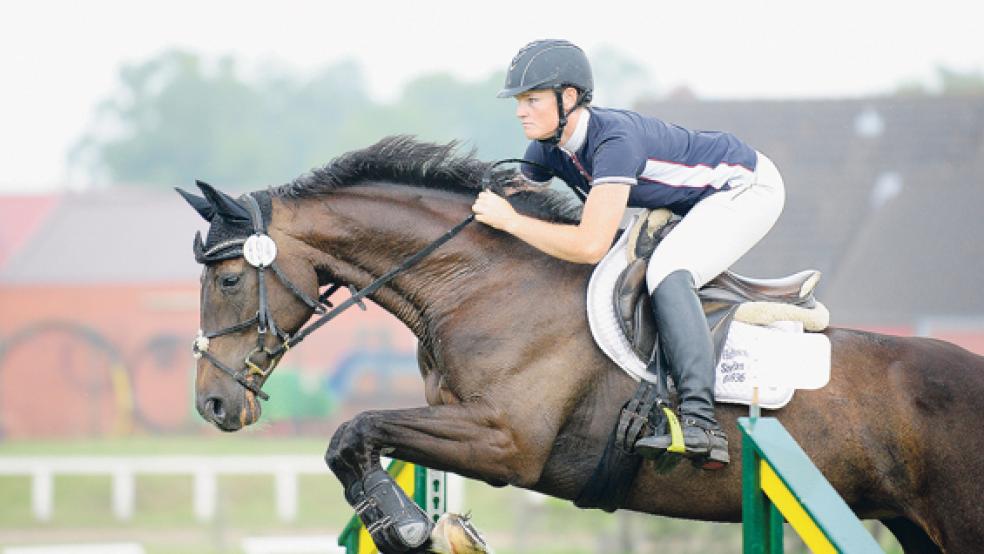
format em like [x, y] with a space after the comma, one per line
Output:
[728, 194]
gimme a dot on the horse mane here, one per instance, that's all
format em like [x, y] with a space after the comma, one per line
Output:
[404, 160]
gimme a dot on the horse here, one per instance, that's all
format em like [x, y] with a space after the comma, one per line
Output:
[517, 392]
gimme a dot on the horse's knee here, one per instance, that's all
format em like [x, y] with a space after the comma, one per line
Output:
[348, 455]
[358, 430]
[347, 440]
[336, 437]
[333, 455]
[354, 435]
[333, 459]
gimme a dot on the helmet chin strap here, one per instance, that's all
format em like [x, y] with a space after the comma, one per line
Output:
[562, 118]
[562, 115]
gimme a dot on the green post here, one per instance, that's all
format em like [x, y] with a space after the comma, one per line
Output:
[430, 491]
[775, 528]
[761, 521]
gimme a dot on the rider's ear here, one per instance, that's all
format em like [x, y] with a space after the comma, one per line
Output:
[224, 204]
[569, 98]
[202, 206]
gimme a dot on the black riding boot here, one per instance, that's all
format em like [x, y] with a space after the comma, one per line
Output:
[686, 343]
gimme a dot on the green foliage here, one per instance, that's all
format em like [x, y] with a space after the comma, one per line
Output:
[176, 118]
[620, 80]
[949, 82]
[308, 399]
[957, 82]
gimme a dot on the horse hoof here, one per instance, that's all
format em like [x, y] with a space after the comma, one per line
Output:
[454, 534]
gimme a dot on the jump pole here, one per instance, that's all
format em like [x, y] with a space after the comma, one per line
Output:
[779, 482]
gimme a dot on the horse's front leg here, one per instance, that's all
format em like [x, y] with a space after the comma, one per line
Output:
[472, 438]
[395, 522]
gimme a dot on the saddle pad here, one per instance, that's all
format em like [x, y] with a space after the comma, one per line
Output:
[780, 358]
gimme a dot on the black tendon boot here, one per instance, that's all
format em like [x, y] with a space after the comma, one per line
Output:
[686, 342]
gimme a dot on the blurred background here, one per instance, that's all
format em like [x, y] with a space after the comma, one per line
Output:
[873, 111]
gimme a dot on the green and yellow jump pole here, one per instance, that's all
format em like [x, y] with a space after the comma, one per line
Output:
[779, 482]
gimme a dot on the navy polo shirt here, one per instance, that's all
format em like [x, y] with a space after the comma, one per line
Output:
[666, 165]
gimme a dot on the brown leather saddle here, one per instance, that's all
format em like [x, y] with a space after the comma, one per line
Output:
[721, 297]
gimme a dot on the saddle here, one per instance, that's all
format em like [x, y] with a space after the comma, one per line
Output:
[727, 297]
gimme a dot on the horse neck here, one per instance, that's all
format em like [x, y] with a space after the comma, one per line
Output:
[354, 235]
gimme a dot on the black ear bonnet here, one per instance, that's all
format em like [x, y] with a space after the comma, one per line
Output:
[230, 222]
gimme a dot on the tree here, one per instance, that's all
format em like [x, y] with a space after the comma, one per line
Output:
[620, 80]
[950, 82]
[176, 118]
[440, 108]
[957, 82]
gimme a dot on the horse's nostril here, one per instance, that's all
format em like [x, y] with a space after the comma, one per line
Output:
[213, 407]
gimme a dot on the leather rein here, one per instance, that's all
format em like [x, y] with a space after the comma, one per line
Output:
[260, 251]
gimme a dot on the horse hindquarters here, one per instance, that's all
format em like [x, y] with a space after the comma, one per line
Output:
[931, 461]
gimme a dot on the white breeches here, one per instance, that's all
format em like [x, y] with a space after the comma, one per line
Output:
[721, 228]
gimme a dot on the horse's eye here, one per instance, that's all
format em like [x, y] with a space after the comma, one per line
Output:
[230, 281]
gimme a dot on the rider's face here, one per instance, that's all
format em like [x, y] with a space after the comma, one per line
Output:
[537, 111]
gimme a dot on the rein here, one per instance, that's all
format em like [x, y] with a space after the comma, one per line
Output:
[260, 251]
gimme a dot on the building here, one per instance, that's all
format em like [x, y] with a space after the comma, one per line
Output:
[883, 196]
[99, 291]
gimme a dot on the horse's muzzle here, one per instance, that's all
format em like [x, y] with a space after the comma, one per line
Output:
[230, 415]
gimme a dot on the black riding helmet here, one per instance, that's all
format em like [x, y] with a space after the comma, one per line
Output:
[550, 65]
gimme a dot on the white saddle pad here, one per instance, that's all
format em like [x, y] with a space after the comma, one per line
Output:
[779, 358]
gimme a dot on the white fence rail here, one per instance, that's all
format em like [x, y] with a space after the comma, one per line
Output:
[204, 470]
[318, 544]
[104, 548]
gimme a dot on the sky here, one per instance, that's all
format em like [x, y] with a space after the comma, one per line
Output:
[59, 59]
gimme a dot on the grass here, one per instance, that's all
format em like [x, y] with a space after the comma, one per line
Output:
[514, 521]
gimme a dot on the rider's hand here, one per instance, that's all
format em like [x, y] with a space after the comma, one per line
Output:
[494, 211]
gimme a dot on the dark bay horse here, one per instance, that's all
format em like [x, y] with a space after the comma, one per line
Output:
[517, 392]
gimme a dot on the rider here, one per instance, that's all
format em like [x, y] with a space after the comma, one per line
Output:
[729, 195]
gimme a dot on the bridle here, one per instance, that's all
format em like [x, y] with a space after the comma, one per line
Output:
[260, 251]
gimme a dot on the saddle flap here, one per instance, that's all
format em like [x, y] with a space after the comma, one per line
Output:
[632, 305]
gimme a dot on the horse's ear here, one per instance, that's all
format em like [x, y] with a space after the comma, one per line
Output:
[202, 206]
[225, 205]
[199, 248]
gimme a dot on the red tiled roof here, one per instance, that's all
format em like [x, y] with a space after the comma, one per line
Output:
[20, 218]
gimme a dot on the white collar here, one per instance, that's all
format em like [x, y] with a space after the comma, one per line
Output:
[580, 133]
